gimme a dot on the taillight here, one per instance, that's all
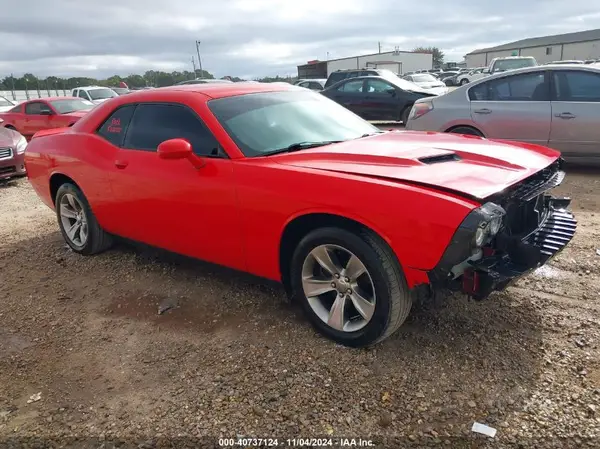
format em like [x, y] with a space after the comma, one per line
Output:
[420, 109]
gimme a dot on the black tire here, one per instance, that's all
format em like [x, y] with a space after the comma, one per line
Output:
[97, 240]
[393, 301]
[464, 81]
[404, 114]
[466, 130]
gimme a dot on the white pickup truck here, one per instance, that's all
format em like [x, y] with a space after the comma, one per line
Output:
[509, 63]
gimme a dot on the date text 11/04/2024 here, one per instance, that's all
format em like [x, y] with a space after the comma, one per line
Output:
[295, 442]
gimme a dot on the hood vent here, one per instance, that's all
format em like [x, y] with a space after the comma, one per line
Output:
[440, 158]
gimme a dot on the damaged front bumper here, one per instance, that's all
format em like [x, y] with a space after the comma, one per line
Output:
[535, 228]
[513, 257]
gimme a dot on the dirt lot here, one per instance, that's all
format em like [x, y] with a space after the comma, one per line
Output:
[233, 358]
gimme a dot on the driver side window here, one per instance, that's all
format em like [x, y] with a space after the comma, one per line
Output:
[378, 86]
[83, 94]
[36, 108]
[352, 86]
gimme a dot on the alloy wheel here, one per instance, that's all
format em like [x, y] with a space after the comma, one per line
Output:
[338, 287]
[73, 219]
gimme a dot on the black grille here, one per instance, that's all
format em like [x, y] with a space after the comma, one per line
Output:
[5, 153]
[525, 204]
[554, 233]
[8, 170]
[538, 185]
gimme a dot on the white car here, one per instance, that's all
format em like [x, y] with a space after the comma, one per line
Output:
[466, 78]
[95, 94]
[428, 82]
[312, 84]
[6, 104]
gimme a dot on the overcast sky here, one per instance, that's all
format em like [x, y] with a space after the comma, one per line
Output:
[252, 38]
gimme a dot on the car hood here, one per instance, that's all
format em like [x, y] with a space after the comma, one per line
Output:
[430, 84]
[101, 100]
[8, 138]
[467, 165]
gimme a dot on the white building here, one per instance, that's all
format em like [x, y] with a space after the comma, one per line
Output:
[397, 61]
[582, 45]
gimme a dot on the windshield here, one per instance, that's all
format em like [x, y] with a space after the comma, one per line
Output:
[5, 102]
[261, 123]
[511, 64]
[424, 78]
[101, 94]
[67, 106]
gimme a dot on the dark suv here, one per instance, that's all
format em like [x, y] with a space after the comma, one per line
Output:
[340, 75]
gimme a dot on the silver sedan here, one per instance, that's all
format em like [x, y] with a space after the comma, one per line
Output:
[553, 105]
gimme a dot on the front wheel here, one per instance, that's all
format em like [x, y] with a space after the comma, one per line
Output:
[77, 222]
[464, 81]
[350, 286]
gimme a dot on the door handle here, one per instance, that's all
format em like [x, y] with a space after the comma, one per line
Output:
[483, 111]
[565, 115]
[121, 164]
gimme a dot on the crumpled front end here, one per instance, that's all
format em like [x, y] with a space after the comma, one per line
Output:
[511, 234]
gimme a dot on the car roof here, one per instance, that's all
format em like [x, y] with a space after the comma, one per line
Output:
[91, 87]
[537, 68]
[51, 99]
[217, 90]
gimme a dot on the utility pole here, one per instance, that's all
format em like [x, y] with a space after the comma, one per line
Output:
[194, 65]
[199, 59]
[379, 45]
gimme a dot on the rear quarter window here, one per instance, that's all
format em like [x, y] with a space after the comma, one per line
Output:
[116, 125]
[479, 92]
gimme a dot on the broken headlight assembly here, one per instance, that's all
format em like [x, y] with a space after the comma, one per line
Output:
[488, 222]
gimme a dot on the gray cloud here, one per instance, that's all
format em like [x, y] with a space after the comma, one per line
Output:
[253, 38]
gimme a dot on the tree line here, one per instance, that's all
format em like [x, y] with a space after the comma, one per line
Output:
[150, 78]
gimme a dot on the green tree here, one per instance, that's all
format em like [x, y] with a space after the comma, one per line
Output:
[437, 54]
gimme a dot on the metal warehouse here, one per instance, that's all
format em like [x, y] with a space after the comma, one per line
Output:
[581, 45]
[397, 61]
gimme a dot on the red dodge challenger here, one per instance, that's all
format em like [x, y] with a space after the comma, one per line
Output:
[283, 183]
[32, 116]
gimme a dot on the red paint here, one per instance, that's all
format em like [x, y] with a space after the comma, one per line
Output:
[29, 124]
[234, 211]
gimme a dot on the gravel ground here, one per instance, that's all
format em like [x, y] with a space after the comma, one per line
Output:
[231, 357]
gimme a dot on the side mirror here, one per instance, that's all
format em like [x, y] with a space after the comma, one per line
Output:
[392, 92]
[485, 71]
[46, 112]
[174, 149]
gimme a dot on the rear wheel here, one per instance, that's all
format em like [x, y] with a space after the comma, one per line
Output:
[77, 222]
[466, 130]
[350, 286]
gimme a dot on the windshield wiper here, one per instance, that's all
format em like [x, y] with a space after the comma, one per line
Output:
[301, 146]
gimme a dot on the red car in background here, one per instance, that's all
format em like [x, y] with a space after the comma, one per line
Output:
[283, 183]
[32, 116]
